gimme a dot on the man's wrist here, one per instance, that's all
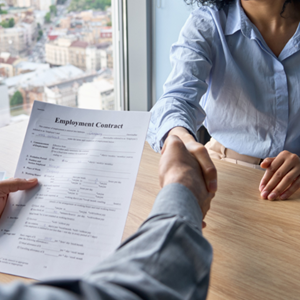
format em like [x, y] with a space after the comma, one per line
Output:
[177, 199]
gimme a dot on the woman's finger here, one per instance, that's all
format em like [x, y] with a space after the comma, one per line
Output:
[266, 162]
[280, 175]
[269, 173]
[291, 190]
[285, 182]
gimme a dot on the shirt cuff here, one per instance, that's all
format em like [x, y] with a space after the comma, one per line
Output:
[164, 130]
[176, 199]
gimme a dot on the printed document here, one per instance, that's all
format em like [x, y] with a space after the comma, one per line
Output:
[86, 162]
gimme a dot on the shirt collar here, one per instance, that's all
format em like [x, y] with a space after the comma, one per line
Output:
[233, 22]
[237, 20]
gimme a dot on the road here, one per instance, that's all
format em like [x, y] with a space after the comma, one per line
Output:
[37, 52]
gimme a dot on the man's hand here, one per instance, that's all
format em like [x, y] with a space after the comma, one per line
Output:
[202, 156]
[178, 165]
[13, 185]
[281, 178]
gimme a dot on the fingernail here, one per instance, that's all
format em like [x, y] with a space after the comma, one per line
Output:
[283, 197]
[261, 187]
[32, 180]
[213, 185]
[264, 194]
[272, 196]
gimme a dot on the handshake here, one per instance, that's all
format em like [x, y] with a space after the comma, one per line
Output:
[190, 165]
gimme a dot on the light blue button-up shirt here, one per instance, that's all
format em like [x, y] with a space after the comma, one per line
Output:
[225, 76]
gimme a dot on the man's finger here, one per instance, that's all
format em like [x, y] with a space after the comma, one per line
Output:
[16, 184]
[173, 149]
[176, 142]
[208, 168]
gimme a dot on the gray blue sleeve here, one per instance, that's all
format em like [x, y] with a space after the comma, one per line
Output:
[167, 258]
[192, 61]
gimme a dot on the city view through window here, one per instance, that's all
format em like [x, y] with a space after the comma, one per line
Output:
[55, 51]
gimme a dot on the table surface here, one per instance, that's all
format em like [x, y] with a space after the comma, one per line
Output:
[256, 242]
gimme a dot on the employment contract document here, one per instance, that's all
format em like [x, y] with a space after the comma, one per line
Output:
[86, 162]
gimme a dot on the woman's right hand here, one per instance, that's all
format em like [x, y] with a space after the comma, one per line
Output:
[200, 153]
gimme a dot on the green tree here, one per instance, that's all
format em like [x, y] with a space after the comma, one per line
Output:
[8, 23]
[40, 34]
[11, 23]
[48, 17]
[2, 12]
[77, 5]
[53, 9]
[16, 99]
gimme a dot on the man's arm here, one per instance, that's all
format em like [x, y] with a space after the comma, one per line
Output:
[167, 258]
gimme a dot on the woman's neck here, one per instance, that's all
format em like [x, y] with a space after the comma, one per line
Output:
[276, 27]
[267, 13]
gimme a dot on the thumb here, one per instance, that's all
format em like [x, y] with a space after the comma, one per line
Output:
[16, 184]
[267, 162]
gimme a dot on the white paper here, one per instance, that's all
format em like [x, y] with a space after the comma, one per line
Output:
[86, 162]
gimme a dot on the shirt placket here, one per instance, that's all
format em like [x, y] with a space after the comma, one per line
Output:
[281, 107]
[281, 100]
[281, 103]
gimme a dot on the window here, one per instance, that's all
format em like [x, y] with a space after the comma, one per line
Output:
[168, 19]
[63, 64]
[151, 28]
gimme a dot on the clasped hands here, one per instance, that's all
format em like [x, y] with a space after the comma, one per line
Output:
[281, 178]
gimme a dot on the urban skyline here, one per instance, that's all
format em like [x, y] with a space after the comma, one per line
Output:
[70, 49]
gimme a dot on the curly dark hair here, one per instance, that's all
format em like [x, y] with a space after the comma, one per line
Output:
[221, 3]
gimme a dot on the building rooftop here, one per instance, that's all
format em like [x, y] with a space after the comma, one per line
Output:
[11, 60]
[103, 45]
[8, 61]
[28, 21]
[79, 44]
[44, 77]
[31, 66]
[102, 84]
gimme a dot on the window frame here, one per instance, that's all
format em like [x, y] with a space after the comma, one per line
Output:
[133, 54]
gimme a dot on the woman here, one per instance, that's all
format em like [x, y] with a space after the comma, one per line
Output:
[241, 61]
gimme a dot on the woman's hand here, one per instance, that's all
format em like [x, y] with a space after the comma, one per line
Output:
[281, 178]
[13, 185]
